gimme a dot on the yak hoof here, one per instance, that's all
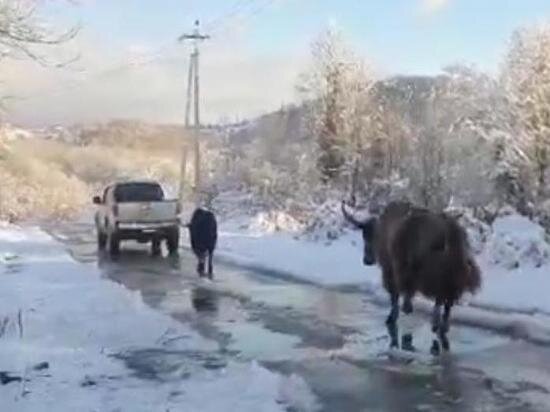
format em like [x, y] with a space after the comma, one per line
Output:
[445, 343]
[200, 269]
[407, 307]
[391, 325]
[435, 350]
[407, 343]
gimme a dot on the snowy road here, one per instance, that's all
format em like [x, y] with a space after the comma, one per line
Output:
[335, 341]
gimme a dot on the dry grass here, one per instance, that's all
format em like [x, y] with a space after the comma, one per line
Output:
[48, 179]
[37, 189]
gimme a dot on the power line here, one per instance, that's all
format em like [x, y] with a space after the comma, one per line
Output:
[219, 25]
[235, 10]
[136, 63]
[222, 28]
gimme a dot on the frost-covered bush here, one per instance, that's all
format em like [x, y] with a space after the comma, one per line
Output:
[543, 215]
[275, 221]
[478, 231]
[516, 241]
[229, 204]
[44, 178]
[326, 222]
[39, 191]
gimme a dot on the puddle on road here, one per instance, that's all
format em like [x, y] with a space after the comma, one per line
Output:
[252, 341]
[368, 387]
[12, 268]
[167, 365]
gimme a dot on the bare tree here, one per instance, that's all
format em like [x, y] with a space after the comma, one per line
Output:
[22, 32]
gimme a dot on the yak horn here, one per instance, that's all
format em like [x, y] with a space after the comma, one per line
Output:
[349, 217]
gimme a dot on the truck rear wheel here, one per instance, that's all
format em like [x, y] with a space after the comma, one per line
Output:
[173, 240]
[114, 244]
[155, 247]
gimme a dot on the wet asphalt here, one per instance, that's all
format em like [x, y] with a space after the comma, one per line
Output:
[335, 340]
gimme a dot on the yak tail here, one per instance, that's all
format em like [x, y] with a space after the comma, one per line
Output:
[457, 245]
[474, 276]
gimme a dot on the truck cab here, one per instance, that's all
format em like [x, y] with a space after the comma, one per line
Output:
[136, 210]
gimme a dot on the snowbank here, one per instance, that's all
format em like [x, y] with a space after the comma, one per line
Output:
[335, 262]
[325, 224]
[275, 221]
[517, 242]
[63, 330]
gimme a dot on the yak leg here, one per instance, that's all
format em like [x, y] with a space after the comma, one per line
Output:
[391, 321]
[445, 326]
[446, 317]
[436, 316]
[200, 266]
[390, 286]
[436, 327]
[407, 338]
[408, 288]
[210, 265]
[407, 304]
[394, 311]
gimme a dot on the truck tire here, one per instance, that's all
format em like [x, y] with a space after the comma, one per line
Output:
[155, 247]
[101, 240]
[114, 244]
[173, 240]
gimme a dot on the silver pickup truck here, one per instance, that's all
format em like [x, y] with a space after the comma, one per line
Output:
[138, 211]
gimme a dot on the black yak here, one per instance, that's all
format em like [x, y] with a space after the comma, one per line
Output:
[203, 232]
[419, 251]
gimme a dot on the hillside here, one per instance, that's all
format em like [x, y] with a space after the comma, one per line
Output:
[408, 95]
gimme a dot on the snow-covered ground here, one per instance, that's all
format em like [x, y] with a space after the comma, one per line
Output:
[63, 329]
[513, 254]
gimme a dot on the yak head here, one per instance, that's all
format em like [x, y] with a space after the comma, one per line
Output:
[368, 229]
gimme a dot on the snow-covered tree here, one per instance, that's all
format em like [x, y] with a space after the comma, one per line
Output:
[336, 89]
[526, 79]
[476, 125]
[463, 141]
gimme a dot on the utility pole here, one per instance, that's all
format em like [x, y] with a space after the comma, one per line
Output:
[184, 144]
[193, 90]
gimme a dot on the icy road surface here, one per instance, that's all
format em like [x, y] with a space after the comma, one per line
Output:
[330, 345]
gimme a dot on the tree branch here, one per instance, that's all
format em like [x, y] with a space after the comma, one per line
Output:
[20, 32]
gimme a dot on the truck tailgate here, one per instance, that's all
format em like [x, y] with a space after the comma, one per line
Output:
[148, 212]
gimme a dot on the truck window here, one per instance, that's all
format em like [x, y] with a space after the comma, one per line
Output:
[138, 192]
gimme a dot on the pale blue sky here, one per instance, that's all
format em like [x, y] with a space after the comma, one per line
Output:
[399, 35]
[253, 61]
